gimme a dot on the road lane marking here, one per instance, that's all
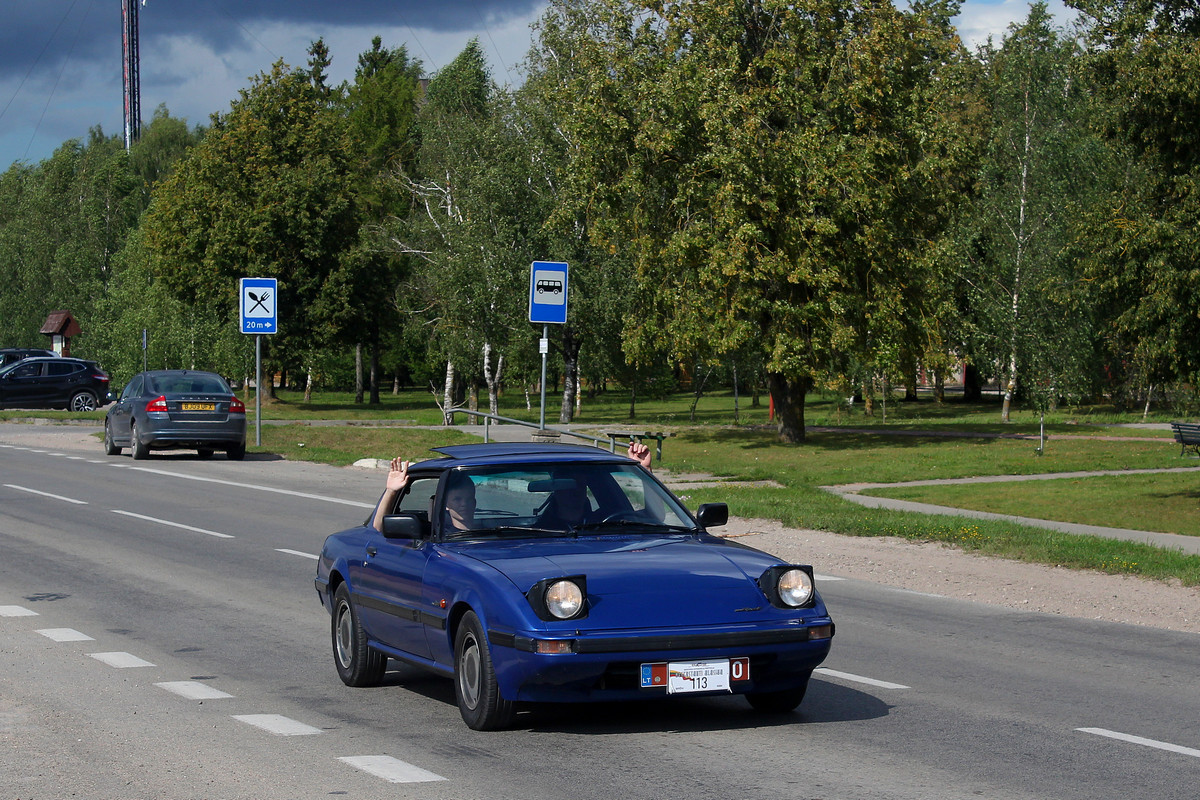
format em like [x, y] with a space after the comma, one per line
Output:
[846, 676]
[47, 494]
[827, 577]
[65, 635]
[173, 524]
[1126, 737]
[121, 660]
[280, 726]
[296, 553]
[256, 487]
[193, 690]
[392, 770]
[16, 611]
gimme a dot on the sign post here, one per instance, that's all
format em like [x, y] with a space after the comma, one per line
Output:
[259, 316]
[547, 305]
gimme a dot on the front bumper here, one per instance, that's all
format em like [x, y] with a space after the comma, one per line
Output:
[606, 666]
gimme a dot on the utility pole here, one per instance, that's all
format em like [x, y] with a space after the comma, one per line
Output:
[131, 81]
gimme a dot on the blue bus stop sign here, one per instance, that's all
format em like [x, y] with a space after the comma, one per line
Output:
[548, 292]
[259, 307]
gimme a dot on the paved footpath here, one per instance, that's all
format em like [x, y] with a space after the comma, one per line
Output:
[1172, 541]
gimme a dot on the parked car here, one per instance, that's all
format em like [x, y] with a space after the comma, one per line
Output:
[628, 596]
[8, 355]
[176, 409]
[53, 382]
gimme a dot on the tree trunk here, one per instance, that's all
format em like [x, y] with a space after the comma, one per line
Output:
[492, 378]
[570, 345]
[308, 386]
[788, 394]
[358, 373]
[972, 385]
[448, 394]
[375, 372]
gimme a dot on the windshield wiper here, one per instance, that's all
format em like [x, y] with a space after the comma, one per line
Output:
[634, 523]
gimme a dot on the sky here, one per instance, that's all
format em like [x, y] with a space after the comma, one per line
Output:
[61, 63]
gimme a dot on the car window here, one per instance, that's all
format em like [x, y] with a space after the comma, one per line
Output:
[563, 497]
[26, 370]
[134, 388]
[59, 369]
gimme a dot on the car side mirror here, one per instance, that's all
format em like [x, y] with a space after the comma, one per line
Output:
[713, 515]
[401, 526]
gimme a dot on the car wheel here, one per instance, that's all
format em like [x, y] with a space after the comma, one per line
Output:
[777, 702]
[475, 687]
[110, 447]
[204, 452]
[136, 448]
[236, 452]
[83, 401]
[357, 663]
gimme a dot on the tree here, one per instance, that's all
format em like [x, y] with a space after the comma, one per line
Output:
[776, 168]
[1144, 56]
[267, 194]
[1035, 175]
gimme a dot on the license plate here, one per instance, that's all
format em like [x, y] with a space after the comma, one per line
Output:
[198, 406]
[682, 677]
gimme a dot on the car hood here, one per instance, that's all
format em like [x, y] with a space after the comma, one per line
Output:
[643, 581]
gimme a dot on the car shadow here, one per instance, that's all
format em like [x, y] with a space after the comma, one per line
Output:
[825, 702]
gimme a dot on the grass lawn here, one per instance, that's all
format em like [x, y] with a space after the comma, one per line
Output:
[1164, 502]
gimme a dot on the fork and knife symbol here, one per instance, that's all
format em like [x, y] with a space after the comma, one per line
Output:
[260, 301]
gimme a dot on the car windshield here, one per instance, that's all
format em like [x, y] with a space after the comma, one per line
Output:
[191, 383]
[567, 500]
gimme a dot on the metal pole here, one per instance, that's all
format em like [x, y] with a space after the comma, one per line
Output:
[258, 390]
[544, 342]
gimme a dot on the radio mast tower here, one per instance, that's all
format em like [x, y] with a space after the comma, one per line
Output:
[131, 81]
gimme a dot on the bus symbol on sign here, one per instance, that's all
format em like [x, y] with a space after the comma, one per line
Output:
[549, 286]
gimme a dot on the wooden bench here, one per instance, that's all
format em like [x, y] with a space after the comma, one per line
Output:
[1188, 435]
[637, 436]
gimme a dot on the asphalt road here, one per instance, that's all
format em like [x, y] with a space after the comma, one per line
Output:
[160, 638]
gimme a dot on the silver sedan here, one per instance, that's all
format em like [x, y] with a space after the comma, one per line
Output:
[177, 409]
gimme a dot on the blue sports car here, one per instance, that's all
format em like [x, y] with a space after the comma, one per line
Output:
[561, 573]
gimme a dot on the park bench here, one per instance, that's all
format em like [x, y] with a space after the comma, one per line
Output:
[638, 436]
[1188, 435]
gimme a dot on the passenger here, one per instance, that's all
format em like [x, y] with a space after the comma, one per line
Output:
[460, 503]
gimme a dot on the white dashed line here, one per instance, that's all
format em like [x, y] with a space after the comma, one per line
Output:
[16, 611]
[173, 524]
[65, 635]
[846, 676]
[256, 487]
[1126, 737]
[193, 690]
[121, 660]
[392, 770]
[296, 553]
[47, 494]
[280, 726]
[827, 577]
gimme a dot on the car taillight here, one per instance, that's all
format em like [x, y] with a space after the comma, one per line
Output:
[236, 406]
[157, 404]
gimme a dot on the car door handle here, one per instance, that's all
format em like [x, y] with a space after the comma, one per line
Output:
[372, 550]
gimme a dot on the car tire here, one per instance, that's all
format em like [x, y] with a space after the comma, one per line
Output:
[479, 700]
[110, 447]
[204, 452]
[358, 664]
[777, 702]
[83, 401]
[136, 448]
[236, 452]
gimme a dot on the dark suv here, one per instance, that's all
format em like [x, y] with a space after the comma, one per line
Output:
[53, 383]
[9, 355]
